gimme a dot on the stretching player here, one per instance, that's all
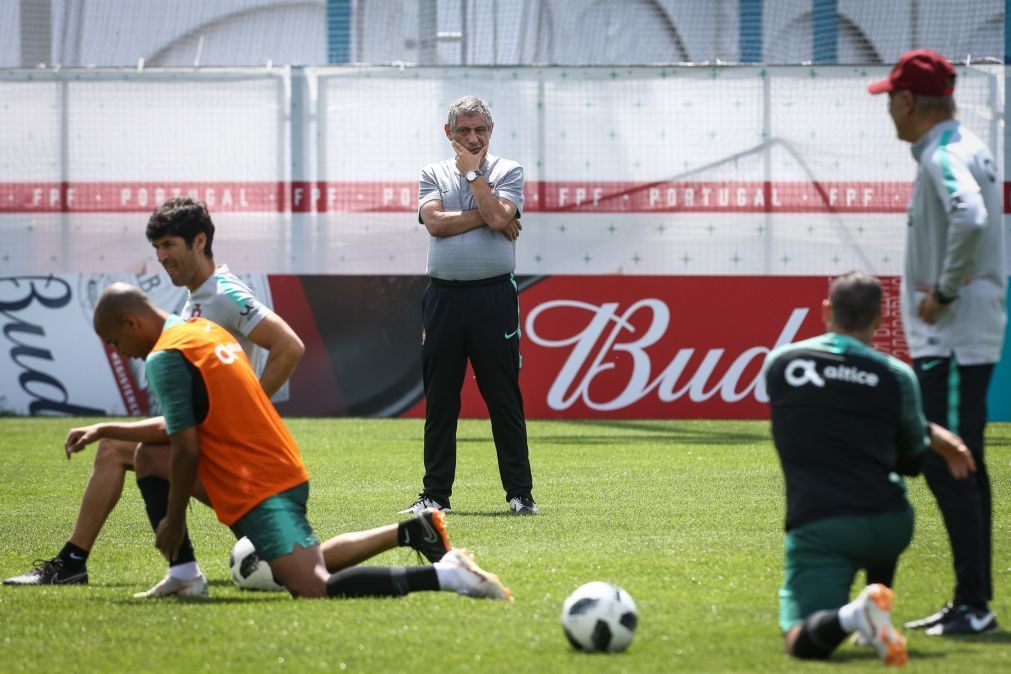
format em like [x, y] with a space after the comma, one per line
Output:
[847, 422]
[182, 234]
[222, 426]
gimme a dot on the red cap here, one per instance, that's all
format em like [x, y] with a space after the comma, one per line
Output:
[921, 71]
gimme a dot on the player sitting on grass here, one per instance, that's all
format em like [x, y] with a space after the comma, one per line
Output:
[221, 425]
[847, 421]
[182, 234]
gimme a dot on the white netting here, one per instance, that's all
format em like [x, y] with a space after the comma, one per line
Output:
[491, 32]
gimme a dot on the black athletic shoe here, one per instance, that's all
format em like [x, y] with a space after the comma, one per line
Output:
[426, 533]
[964, 620]
[50, 572]
[424, 502]
[523, 505]
[932, 619]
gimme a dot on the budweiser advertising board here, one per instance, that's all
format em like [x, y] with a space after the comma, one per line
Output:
[593, 346]
[662, 346]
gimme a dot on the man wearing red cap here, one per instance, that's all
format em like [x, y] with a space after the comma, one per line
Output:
[953, 310]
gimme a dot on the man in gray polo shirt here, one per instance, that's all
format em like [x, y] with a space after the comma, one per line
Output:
[471, 206]
[953, 311]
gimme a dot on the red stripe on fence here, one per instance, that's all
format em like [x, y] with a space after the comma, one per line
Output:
[138, 197]
[541, 196]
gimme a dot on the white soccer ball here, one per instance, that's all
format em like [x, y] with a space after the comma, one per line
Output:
[249, 571]
[599, 616]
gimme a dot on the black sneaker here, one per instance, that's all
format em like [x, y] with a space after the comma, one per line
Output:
[523, 505]
[964, 620]
[932, 619]
[50, 572]
[426, 533]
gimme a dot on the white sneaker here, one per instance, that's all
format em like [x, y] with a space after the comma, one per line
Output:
[173, 587]
[423, 503]
[475, 581]
[523, 505]
[874, 623]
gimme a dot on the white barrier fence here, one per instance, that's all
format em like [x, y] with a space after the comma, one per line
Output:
[688, 170]
[731, 173]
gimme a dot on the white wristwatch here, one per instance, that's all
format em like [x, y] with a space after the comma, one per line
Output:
[473, 175]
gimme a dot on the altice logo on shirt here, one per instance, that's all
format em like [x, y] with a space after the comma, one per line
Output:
[803, 371]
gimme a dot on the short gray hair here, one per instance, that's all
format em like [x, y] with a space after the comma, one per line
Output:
[466, 106]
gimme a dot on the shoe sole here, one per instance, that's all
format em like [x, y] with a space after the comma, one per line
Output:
[155, 595]
[890, 644]
[923, 624]
[201, 593]
[185, 595]
[414, 511]
[917, 625]
[80, 579]
[938, 631]
[471, 566]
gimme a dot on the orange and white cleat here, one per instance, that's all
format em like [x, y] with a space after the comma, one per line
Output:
[875, 624]
[473, 580]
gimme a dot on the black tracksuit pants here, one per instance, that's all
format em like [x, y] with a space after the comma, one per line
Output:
[954, 396]
[477, 321]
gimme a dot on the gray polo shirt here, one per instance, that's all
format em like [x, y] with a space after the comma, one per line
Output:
[224, 299]
[955, 241]
[479, 253]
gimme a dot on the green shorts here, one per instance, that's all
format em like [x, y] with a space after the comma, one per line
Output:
[278, 523]
[823, 558]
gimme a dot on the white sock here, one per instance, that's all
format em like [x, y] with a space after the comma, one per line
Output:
[449, 576]
[849, 616]
[185, 571]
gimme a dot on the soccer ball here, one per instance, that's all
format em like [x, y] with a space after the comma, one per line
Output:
[599, 617]
[249, 571]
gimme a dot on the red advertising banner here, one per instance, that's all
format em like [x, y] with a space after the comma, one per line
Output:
[662, 346]
[593, 346]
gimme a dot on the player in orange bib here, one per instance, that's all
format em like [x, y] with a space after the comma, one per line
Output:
[221, 425]
[239, 470]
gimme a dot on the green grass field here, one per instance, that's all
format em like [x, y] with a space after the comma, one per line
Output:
[686, 516]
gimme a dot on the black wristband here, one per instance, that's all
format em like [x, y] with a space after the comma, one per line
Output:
[941, 298]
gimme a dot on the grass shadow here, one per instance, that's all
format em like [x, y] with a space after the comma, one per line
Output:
[496, 513]
[260, 597]
[857, 655]
[706, 432]
[632, 431]
[997, 637]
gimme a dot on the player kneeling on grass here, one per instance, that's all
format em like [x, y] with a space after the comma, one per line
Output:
[847, 421]
[222, 426]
